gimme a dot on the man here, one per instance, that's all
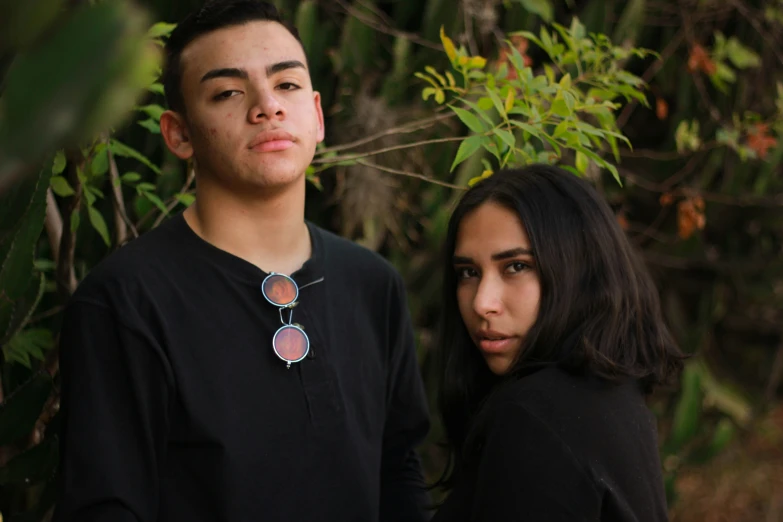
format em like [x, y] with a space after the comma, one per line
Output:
[181, 399]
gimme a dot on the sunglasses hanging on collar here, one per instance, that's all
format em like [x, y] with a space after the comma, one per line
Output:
[290, 341]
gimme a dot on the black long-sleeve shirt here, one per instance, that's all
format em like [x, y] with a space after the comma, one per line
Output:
[177, 409]
[558, 447]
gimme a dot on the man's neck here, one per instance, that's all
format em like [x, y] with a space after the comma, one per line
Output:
[266, 229]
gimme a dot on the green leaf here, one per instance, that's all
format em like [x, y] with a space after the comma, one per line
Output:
[120, 149]
[469, 119]
[497, 102]
[742, 57]
[61, 187]
[480, 111]
[560, 108]
[160, 29]
[542, 8]
[20, 411]
[156, 88]
[440, 96]
[466, 149]
[151, 125]
[75, 220]
[130, 177]
[59, 163]
[507, 137]
[156, 201]
[185, 199]
[581, 162]
[87, 73]
[22, 211]
[100, 162]
[725, 73]
[99, 224]
[485, 103]
[154, 111]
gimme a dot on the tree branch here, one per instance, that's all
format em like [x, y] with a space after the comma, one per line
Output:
[121, 221]
[402, 129]
[409, 174]
[744, 11]
[381, 28]
[66, 284]
[337, 159]
[775, 375]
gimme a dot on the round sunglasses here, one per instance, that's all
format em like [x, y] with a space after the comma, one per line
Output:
[290, 341]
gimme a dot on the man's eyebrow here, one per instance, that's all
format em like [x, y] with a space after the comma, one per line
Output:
[228, 72]
[506, 254]
[282, 66]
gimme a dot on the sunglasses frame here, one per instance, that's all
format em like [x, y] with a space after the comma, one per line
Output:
[307, 340]
[290, 306]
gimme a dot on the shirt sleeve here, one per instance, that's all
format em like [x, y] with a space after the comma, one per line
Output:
[403, 491]
[114, 400]
[527, 472]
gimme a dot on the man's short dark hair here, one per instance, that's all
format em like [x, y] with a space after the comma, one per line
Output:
[214, 15]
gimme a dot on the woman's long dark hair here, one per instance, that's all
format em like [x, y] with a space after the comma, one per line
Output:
[595, 292]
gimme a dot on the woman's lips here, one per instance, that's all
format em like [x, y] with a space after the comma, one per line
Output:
[494, 346]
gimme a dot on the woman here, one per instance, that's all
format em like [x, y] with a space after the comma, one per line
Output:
[552, 335]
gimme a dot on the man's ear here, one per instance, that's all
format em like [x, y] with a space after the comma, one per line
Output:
[320, 116]
[176, 134]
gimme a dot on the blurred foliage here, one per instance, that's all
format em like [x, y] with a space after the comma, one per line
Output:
[422, 98]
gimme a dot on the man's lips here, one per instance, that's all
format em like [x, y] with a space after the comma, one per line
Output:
[272, 141]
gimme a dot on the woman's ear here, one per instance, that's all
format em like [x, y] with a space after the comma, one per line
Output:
[176, 134]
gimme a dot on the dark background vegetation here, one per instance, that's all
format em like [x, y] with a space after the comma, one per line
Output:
[701, 197]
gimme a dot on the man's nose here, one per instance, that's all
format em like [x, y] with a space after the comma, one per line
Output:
[267, 106]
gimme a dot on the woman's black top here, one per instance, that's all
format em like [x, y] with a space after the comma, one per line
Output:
[562, 447]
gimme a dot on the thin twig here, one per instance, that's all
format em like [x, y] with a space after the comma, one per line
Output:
[697, 79]
[43, 315]
[742, 200]
[775, 375]
[172, 202]
[337, 159]
[667, 156]
[54, 232]
[744, 11]
[648, 75]
[472, 46]
[66, 285]
[373, 24]
[402, 129]
[409, 174]
[122, 222]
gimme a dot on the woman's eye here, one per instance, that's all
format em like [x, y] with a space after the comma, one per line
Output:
[287, 86]
[225, 95]
[516, 266]
[466, 273]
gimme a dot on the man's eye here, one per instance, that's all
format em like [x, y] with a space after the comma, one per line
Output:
[287, 86]
[225, 95]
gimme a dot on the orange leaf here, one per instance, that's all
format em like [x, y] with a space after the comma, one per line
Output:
[690, 217]
[661, 108]
[696, 57]
[760, 141]
[623, 221]
[666, 199]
